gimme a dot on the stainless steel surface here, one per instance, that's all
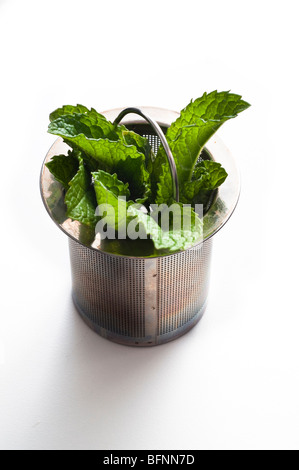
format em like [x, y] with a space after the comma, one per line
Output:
[222, 208]
[140, 302]
[133, 298]
[163, 141]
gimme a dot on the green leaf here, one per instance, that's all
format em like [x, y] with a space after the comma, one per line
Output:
[123, 166]
[108, 190]
[190, 132]
[209, 110]
[80, 197]
[208, 175]
[185, 229]
[63, 168]
[121, 215]
[127, 162]
[145, 199]
[92, 125]
[164, 193]
[111, 183]
[98, 139]
[141, 143]
[68, 109]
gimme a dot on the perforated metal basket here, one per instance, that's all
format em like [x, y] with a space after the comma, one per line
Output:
[135, 298]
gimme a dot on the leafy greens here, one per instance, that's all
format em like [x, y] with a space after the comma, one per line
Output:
[114, 168]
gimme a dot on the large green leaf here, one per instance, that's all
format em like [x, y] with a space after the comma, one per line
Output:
[94, 125]
[125, 161]
[104, 149]
[190, 132]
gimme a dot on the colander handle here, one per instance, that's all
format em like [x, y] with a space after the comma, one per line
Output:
[160, 134]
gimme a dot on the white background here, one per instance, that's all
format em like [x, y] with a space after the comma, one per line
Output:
[232, 382]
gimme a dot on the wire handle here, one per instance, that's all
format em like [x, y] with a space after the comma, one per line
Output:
[160, 134]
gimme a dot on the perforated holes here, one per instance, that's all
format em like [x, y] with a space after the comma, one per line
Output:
[109, 290]
[183, 287]
[154, 142]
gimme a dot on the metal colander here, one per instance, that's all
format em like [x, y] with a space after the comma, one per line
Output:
[140, 301]
[134, 298]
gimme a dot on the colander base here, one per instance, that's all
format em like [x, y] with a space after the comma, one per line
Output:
[141, 342]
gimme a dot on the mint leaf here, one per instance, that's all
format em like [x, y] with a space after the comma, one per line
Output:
[68, 109]
[79, 119]
[178, 237]
[141, 143]
[80, 197]
[189, 133]
[121, 215]
[164, 187]
[92, 125]
[108, 190]
[208, 175]
[125, 161]
[110, 163]
[114, 157]
[210, 109]
[111, 183]
[212, 171]
[63, 168]
[99, 140]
